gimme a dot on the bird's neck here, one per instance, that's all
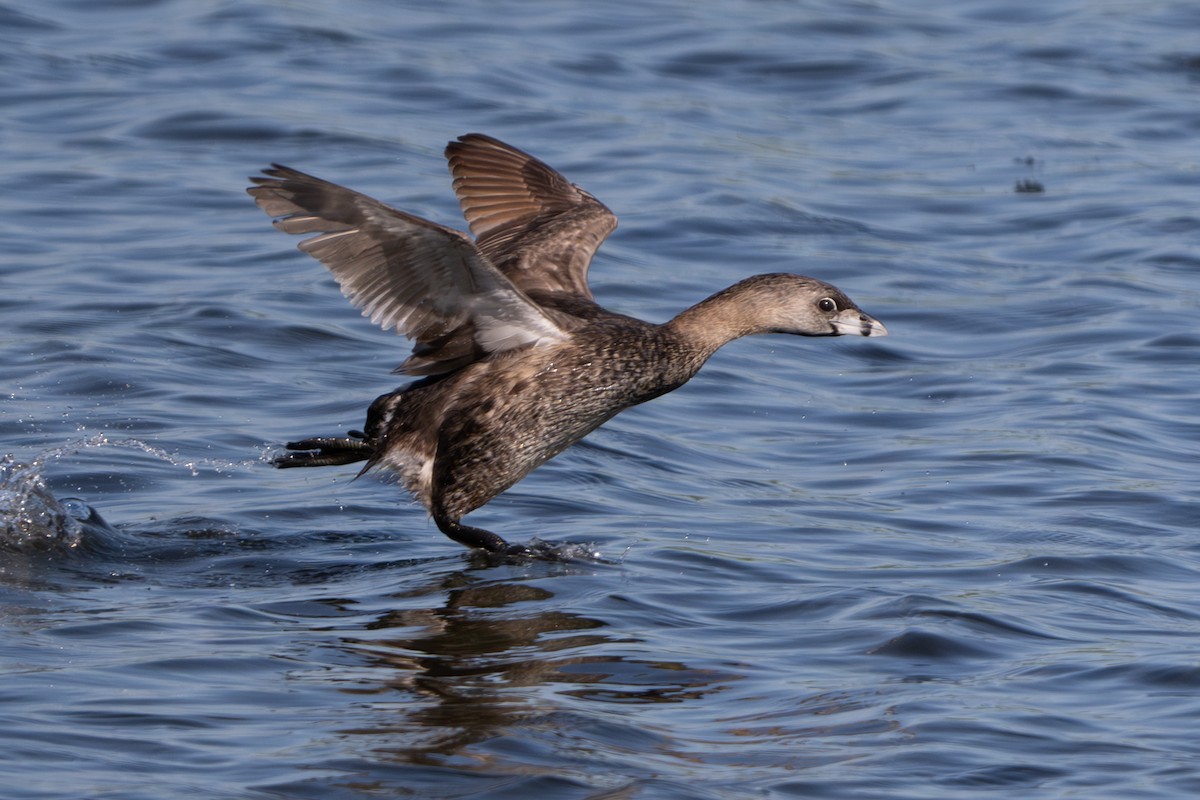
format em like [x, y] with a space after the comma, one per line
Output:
[717, 320]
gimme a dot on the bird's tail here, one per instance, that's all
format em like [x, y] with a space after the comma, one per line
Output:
[325, 451]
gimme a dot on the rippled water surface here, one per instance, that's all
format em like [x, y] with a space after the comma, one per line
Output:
[958, 561]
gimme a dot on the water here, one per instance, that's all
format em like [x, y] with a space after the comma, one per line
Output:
[960, 561]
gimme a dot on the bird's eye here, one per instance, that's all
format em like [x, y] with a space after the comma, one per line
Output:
[826, 304]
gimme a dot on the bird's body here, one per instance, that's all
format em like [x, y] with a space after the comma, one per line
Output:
[521, 362]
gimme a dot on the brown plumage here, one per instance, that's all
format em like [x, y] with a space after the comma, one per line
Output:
[520, 362]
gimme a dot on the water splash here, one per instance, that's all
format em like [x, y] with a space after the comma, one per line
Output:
[562, 551]
[32, 518]
[194, 465]
[541, 550]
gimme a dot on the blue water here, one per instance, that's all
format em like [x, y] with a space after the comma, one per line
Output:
[960, 561]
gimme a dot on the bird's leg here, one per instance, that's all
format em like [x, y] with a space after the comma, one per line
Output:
[471, 537]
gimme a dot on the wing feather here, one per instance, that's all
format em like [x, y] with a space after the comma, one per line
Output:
[537, 227]
[425, 281]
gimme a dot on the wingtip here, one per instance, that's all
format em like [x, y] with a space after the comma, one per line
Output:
[269, 174]
[456, 145]
[475, 136]
[482, 140]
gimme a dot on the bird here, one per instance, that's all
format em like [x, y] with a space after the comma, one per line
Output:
[513, 359]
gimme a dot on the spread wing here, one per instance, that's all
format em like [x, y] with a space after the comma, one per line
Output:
[539, 229]
[427, 282]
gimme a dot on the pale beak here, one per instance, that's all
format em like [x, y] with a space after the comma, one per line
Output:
[853, 322]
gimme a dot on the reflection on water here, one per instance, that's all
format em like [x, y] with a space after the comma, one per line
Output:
[449, 678]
